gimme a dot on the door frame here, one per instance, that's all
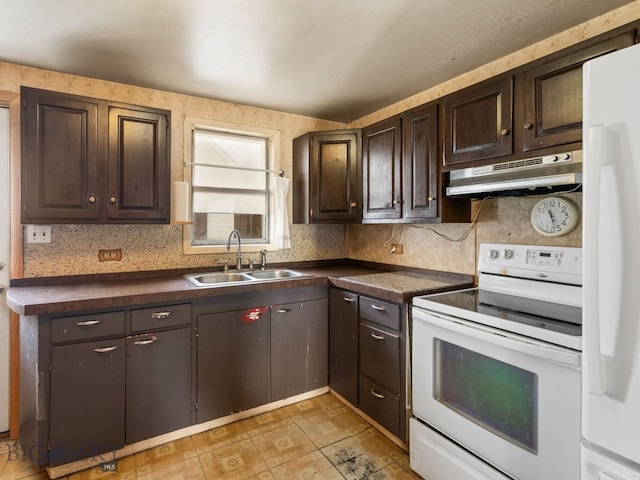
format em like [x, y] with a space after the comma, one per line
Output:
[12, 100]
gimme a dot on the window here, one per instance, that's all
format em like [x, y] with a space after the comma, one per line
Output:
[230, 175]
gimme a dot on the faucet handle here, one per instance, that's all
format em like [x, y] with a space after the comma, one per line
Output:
[225, 267]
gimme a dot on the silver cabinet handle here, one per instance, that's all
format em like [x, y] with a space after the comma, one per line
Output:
[146, 342]
[88, 323]
[376, 394]
[283, 310]
[377, 337]
[378, 307]
[104, 349]
[161, 315]
[349, 299]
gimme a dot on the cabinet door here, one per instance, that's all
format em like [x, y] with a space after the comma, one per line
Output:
[158, 383]
[335, 190]
[299, 353]
[381, 170]
[553, 95]
[343, 344]
[87, 400]
[138, 162]
[59, 157]
[478, 122]
[421, 170]
[233, 362]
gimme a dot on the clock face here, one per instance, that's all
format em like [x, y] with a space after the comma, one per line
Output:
[554, 216]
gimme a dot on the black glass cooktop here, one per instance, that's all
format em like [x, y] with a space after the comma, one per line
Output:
[563, 319]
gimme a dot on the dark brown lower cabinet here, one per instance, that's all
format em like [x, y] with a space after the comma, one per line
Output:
[158, 383]
[233, 362]
[343, 344]
[299, 353]
[367, 357]
[87, 400]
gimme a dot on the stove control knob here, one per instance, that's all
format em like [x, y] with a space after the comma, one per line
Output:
[492, 254]
[507, 253]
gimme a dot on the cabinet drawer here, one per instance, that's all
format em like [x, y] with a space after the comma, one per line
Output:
[83, 327]
[163, 316]
[380, 404]
[384, 313]
[380, 356]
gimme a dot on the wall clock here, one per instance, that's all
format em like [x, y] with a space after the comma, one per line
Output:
[554, 216]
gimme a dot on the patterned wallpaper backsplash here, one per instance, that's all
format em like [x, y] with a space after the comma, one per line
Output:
[74, 248]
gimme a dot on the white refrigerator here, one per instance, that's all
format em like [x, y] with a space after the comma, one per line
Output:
[611, 281]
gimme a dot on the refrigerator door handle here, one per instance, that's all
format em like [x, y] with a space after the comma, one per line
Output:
[602, 307]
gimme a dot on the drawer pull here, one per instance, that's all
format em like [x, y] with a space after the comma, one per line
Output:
[161, 315]
[376, 394]
[349, 299]
[378, 308]
[146, 342]
[283, 310]
[88, 323]
[104, 349]
[377, 337]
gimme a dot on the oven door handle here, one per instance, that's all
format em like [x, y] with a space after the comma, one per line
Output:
[501, 338]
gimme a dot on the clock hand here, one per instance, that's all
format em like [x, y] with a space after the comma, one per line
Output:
[553, 219]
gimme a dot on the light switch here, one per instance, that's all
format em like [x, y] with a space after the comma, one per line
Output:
[38, 233]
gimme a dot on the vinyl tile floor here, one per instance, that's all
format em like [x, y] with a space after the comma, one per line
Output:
[319, 438]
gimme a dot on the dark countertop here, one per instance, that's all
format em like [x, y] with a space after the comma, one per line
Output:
[51, 296]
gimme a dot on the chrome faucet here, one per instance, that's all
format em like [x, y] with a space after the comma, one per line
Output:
[263, 260]
[239, 251]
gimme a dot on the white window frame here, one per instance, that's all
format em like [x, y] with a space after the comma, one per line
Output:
[273, 146]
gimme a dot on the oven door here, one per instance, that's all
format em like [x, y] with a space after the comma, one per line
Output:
[511, 400]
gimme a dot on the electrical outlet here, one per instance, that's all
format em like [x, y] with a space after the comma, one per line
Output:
[110, 255]
[396, 248]
[38, 233]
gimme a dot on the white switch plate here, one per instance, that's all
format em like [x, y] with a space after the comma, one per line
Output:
[38, 233]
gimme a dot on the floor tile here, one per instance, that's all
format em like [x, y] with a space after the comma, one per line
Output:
[284, 444]
[328, 426]
[238, 461]
[220, 437]
[312, 405]
[312, 466]
[361, 455]
[190, 469]
[266, 422]
[392, 472]
[164, 455]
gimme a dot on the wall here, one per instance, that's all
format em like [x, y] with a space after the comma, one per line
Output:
[74, 248]
[501, 220]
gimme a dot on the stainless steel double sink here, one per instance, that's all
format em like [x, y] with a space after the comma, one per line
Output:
[214, 279]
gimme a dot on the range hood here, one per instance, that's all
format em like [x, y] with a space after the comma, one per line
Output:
[524, 177]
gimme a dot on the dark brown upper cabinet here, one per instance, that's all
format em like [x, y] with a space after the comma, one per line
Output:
[86, 160]
[382, 170]
[327, 177]
[553, 94]
[478, 122]
[402, 174]
[533, 110]
[422, 169]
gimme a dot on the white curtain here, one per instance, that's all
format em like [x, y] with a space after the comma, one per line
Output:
[281, 238]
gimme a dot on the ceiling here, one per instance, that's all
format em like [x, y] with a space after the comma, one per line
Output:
[331, 59]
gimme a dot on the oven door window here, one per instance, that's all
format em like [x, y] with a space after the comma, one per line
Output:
[500, 397]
